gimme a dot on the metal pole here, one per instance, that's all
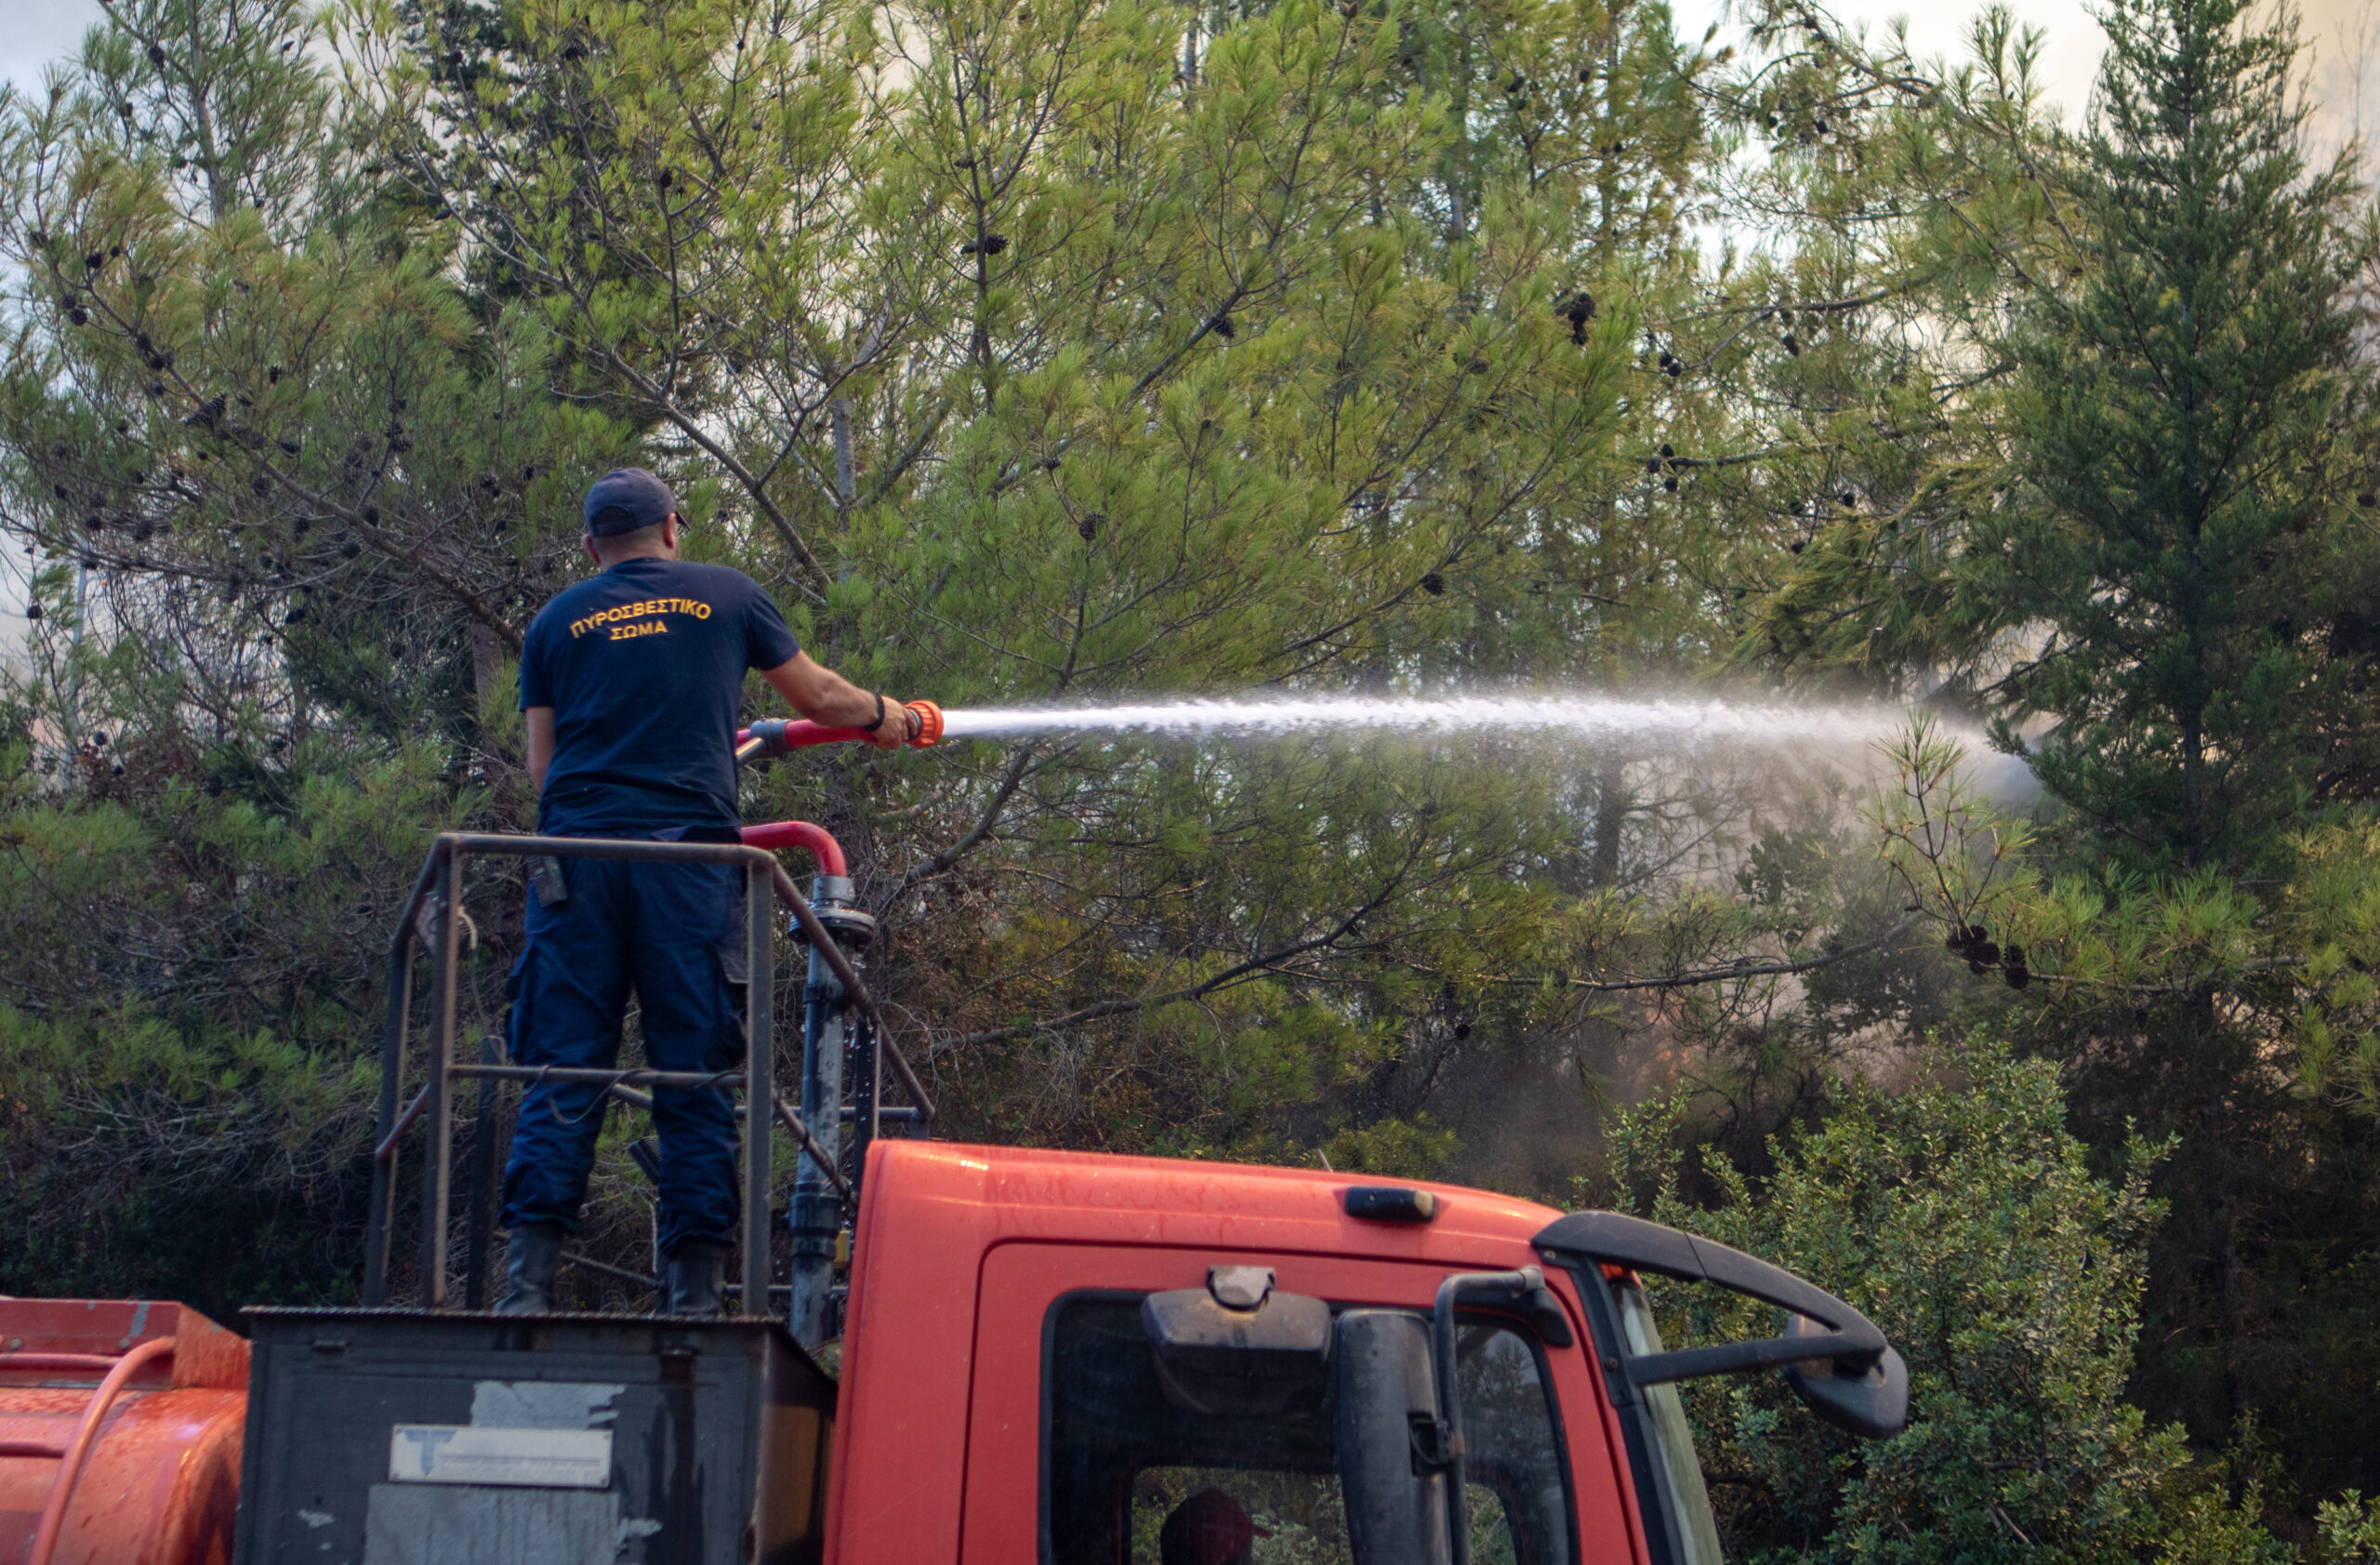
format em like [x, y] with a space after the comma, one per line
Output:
[760, 1088]
[856, 989]
[442, 878]
[866, 1089]
[816, 1217]
[1447, 1367]
[660, 1263]
[438, 1160]
[382, 1220]
[476, 1217]
[694, 1081]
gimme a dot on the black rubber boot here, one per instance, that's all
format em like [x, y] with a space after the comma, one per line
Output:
[529, 1268]
[697, 1275]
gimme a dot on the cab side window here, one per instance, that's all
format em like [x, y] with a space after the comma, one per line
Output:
[1129, 1477]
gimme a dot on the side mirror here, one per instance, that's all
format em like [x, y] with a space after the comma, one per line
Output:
[1871, 1405]
[1834, 1357]
[1386, 1435]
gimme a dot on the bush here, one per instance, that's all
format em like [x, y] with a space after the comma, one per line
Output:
[1963, 1218]
[2350, 1531]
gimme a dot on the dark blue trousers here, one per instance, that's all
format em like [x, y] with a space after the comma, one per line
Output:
[674, 934]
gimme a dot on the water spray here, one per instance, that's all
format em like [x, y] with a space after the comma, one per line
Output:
[1590, 717]
[1574, 716]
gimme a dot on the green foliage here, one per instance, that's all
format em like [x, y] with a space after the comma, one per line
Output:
[2231, 1015]
[1960, 1215]
[2134, 544]
[2216, 1508]
[2207, 1530]
[1285, 367]
[1396, 1148]
[2350, 1529]
[185, 1105]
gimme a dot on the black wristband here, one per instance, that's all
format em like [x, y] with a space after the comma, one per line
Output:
[879, 714]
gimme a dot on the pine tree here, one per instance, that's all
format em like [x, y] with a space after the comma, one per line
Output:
[2179, 557]
[2162, 594]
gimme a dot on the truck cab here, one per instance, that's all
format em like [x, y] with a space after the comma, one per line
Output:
[1054, 1356]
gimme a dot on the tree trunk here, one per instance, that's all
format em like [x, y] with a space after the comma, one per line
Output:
[1611, 814]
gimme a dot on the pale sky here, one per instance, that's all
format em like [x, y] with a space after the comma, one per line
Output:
[37, 31]
[2067, 61]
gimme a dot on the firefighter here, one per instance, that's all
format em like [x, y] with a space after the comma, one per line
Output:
[630, 683]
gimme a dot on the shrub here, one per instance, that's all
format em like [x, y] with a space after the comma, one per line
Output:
[1964, 1219]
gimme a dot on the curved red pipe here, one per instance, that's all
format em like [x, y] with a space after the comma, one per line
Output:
[53, 1514]
[799, 834]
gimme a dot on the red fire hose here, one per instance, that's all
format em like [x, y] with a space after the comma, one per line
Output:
[776, 736]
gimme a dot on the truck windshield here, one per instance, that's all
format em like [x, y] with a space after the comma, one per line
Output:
[1122, 1464]
[1677, 1475]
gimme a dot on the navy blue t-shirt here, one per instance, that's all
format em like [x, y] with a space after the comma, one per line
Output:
[644, 666]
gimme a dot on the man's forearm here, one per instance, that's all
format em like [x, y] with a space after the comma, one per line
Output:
[821, 695]
[824, 696]
[840, 704]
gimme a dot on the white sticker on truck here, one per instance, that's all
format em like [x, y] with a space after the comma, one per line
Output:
[475, 1453]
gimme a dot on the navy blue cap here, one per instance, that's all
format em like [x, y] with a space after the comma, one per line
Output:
[625, 500]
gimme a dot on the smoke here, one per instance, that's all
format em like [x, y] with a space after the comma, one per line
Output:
[2338, 71]
[2007, 780]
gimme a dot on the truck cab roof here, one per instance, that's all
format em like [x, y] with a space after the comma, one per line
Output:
[993, 1194]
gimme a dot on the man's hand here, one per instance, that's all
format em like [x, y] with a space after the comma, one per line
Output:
[894, 731]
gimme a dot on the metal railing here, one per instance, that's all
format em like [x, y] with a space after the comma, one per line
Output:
[433, 919]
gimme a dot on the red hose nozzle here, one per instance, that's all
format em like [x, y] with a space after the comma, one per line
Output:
[929, 725]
